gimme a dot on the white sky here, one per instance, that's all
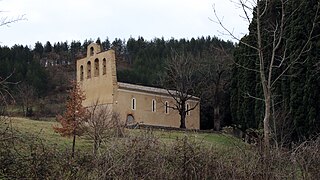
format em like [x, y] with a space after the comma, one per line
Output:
[61, 20]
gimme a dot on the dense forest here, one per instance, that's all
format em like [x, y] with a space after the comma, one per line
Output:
[39, 77]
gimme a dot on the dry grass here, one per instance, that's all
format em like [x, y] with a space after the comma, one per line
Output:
[44, 131]
[36, 153]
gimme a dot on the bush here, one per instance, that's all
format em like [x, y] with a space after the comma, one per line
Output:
[144, 156]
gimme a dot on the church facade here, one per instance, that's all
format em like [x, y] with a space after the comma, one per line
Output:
[136, 104]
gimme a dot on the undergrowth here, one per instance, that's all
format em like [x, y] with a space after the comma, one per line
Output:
[147, 155]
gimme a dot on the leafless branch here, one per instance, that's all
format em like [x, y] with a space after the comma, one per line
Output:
[254, 97]
[6, 21]
[306, 47]
[180, 75]
[230, 33]
[4, 88]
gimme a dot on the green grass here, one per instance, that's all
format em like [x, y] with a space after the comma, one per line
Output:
[213, 138]
[44, 130]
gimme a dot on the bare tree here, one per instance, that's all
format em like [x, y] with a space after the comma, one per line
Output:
[181, 75]
[6, 98]
[216, 77]
[281, 127]
[101, 123]
[27, 97]
[271, 57]
[4, 88]
[5, 94]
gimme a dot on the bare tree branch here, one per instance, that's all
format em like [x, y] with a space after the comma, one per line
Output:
[268, 54]
[6, 21]
[180, 75]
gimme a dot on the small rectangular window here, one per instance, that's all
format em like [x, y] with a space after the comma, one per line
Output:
[104, 63]
[154, 105]
[166, 108]
[81, 73]
[187, 109]
[133, 104]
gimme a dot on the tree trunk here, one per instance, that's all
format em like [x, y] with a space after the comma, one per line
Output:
[266, 86]
[216, 118]
[266, 121]
[73, 144]
[183, 120]
[25, 110]
[95, 145]
[183, 113]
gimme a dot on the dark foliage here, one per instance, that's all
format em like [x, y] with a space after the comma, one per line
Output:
[295, 96]
[49, 68]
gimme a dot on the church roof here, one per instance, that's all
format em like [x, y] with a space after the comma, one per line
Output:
[149, 89]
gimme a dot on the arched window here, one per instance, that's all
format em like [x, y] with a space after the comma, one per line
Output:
[81, 73]
[133, 104]
[154, 105]
[166, 107]
[104, 69]
[187, 109]
[96, 67]
[88, 70]
[91, 51]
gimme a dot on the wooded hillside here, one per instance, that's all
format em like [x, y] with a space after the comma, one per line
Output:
[44, 72]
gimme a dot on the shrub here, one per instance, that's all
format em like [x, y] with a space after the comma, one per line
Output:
[145, 156]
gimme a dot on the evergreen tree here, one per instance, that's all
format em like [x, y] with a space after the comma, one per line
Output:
[106, 44]
[47, 47]
[294, 90]
[98, 41]
[38, 48]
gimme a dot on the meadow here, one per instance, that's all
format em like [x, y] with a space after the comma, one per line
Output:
[44, 130]
[30, 149]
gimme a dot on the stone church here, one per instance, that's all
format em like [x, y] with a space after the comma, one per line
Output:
[136, 104]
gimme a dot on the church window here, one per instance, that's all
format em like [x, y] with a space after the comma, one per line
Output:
[96, 67]
[88, 70]
[91, 51]
[166, 107]
[187, 109]
[133, 104]
[81, 73]
[154, 105]
[104, 63]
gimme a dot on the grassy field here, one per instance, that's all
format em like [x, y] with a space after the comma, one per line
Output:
[44, 130]
[161, 153]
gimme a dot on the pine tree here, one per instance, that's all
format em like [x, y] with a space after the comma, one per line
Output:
[106, 44]
[47, 47]
[38, 48]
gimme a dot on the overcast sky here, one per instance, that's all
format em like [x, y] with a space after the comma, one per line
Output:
[61, 20]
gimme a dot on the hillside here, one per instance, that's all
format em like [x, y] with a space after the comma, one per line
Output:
[40, 77]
